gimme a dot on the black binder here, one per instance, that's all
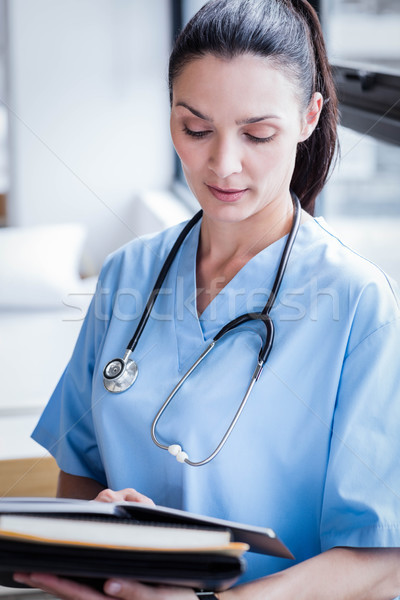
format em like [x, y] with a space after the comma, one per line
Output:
[212, 569]
[94, 565]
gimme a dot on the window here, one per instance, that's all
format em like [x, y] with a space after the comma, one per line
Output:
[364, 47]
[362, 199]
[364, 31]
[3, 117]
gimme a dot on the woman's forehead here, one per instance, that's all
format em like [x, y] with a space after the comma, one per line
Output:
[245, 84]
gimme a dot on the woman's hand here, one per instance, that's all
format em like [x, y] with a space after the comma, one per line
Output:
[65, 589]
[74, 486]
[128, 494]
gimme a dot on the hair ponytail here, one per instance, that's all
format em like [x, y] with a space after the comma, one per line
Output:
[316, 154]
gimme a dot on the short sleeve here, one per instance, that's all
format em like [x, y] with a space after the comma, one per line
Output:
[66, 426]
[361, 503]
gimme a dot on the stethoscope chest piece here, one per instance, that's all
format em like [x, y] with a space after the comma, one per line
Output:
[119, 374]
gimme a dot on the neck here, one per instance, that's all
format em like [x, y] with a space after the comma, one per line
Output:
[225, 247]
[223, 241]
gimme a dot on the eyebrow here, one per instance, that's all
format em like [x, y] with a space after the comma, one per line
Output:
[195, 112]
[256, 119]
[210, 120]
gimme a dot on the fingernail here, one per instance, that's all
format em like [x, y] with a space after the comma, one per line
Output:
[20, 577]
[113, 587]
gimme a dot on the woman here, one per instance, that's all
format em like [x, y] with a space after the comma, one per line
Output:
[313, 455]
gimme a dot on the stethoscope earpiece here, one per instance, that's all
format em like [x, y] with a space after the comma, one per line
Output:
[119, 374]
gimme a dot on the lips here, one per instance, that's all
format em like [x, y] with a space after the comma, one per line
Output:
[228, 194]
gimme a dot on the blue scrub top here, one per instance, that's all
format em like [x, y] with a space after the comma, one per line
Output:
[315, 453]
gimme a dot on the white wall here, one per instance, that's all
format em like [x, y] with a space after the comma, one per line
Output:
[89, 112]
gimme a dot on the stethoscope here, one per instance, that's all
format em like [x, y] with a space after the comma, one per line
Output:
[120, 373]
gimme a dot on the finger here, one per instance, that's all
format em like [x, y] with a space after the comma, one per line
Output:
[127, 494]
[133, 590]
[22, 578]
[64, 589]
[107, 496]
[131, 495]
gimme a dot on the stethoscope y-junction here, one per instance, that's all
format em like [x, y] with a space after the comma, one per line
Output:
[120, 373]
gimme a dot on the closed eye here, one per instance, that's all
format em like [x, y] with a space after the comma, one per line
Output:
[259, 140]
[195, 134]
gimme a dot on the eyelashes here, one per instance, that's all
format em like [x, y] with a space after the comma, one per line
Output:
[204, 133]
[195, 134]
[258, 140]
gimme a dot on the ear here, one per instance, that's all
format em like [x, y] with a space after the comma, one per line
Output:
[312, 115]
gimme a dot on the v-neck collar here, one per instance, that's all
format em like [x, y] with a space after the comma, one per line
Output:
[193, 333]
[189, 335]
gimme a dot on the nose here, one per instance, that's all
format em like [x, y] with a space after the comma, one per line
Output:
[225, 157]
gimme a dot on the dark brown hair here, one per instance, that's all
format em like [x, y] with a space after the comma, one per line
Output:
[288, 33]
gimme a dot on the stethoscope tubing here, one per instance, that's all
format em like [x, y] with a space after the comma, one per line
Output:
[160, 280]
[185, 458]
[175, 449]
[128, 368]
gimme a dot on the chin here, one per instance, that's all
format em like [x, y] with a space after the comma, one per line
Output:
[228, 213]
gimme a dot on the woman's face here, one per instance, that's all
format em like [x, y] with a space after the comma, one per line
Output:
[235, 125]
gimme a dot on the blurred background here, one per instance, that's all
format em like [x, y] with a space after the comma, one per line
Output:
[86, 164]
[362, 199]
[84, 117]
